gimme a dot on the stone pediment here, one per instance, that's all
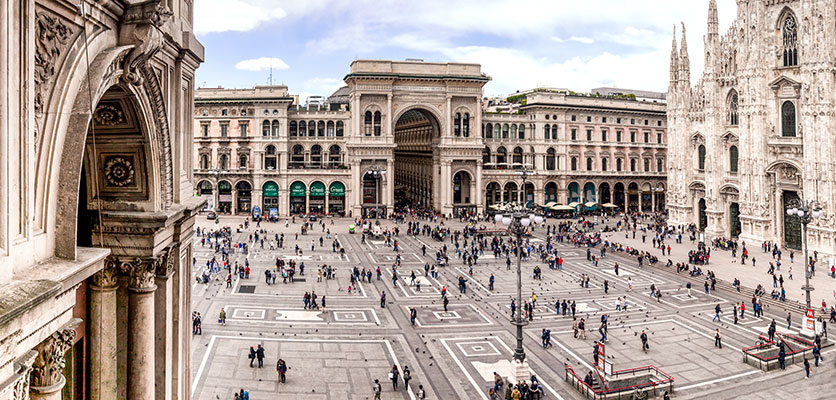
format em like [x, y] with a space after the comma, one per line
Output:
[785, 87]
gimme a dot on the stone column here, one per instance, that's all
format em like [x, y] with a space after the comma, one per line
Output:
[390, 185]
[652, 201]
[307, 201]
[102, 332]
[141, 324]
[47, 376]
[164, 319]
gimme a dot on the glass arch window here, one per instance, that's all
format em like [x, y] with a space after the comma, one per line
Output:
[701, 157]
[788, 119]
[733, 156]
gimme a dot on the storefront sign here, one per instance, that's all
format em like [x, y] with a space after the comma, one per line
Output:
[337, 189]
[271, 189]
[297, 189]
[225, 198]
[317, 189]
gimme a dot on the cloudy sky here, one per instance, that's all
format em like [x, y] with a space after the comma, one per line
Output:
[521, 44]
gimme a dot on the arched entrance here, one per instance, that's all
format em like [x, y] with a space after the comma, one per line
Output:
[298, 198]
[604, 193]
[633, 197]
[510, 195]
[243, 191]
[551, 192]
[792, 224]
[270, 198]
[646, 197]
[336, 198]
[224, 196]
[316, 201]
[493, 194]
[590, 200]
[205, 192]
[462, 196]
[619, 197]
[372, 200]
[734, 219]
[416, 135]
[529, 193]
[574, 193]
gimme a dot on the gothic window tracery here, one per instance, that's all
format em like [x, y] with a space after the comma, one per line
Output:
[790, 41]
[733, 116]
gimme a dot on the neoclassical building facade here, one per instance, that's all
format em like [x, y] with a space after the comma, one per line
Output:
[96, 198]
[417, 133]
[754, 133]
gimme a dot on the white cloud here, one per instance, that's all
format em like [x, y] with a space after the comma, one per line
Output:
[579, 39]
[234, 15]
[262, 64]
[513, 69]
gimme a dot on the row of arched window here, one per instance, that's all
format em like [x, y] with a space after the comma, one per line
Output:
[223, 161]
[371, 123]
[619, 164]
[315, 158]
[317, 129]
[299, 158]
[461, 125]
[503, 131]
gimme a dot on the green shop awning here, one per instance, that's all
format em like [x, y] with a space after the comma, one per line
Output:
[317, 189]
[271, 189]
[337, 189]
[297, 189]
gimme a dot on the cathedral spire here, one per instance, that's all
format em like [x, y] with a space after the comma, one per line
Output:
[674, 58]
[684, 62]
[713, 21]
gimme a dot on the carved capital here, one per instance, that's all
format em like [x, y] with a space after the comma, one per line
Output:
[106, 278]
[164, 264]
[48, 366]
[23, 368]
[140, 272]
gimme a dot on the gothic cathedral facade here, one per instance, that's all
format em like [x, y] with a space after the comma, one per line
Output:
[755, 132]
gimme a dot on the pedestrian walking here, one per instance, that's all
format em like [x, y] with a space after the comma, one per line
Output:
[222, 317]
[717, 342]
[376, 389]
[716, 313]
[807, 368]
[383, 299]
[406, 377]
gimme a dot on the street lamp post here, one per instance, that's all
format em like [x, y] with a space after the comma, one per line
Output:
[377, 173]
[518, 219]
[805, 211]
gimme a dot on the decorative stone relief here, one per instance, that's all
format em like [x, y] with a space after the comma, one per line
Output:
[51, 39]
[48, 368]
[143, 22]
[109, 115]
[23, 369]
[119, 171]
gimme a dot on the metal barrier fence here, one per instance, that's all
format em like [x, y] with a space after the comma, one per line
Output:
[652, 388]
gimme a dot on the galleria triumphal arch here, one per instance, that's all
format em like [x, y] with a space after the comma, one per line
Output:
[417, 123]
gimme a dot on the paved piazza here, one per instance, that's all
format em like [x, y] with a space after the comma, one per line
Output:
[337, 352]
